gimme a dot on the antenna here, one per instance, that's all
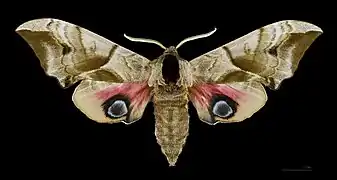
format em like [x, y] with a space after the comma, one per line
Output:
[144, 40]
[195, 37]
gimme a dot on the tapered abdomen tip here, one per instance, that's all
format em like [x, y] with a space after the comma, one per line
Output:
[172, 163]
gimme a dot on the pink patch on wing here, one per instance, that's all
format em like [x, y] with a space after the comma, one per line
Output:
[138, 93]
[204, 92]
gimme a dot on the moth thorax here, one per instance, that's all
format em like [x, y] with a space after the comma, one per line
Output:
[170, 69]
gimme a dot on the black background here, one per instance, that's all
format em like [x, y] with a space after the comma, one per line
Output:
[54, 137]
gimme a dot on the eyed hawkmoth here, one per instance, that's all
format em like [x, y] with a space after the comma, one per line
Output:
[225, 85]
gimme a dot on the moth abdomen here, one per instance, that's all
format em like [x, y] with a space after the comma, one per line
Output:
[171, 130]
[172, 122]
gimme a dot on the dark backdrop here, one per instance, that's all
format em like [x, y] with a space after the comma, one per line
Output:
[55, 137]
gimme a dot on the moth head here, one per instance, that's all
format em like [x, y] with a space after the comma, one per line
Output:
[171, 51]
[170, 65]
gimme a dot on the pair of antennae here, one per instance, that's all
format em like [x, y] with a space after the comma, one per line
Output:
[162, 46]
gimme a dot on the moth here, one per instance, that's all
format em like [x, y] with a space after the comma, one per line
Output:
[225, 85]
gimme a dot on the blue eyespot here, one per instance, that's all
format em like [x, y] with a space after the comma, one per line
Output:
[117, 109]
[222, 109]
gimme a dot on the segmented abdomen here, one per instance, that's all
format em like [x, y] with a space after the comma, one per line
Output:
[172, 122]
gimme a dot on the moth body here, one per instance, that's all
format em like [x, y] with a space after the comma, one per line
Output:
[170, 98]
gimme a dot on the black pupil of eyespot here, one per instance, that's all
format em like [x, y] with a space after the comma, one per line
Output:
[117, 109]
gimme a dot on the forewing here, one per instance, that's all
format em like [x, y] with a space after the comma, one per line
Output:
[68, 52]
